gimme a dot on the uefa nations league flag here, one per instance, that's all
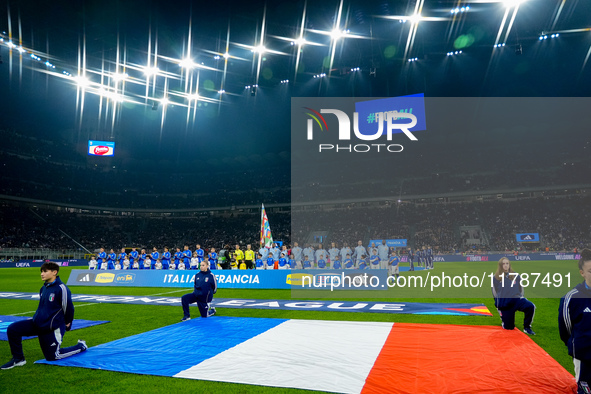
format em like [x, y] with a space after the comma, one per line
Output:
[266, 237]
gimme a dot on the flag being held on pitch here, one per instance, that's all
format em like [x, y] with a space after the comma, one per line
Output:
[266, 237]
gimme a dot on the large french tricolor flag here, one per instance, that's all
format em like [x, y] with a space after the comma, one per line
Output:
[337, 356]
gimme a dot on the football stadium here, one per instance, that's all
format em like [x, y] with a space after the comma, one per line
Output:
[344, 196]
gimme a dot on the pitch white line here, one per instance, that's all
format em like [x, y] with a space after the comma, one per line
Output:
[77, 306]
[170, 292]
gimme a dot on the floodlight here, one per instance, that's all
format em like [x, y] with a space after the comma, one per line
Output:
[81, 81]
[119, 77]
[259, 49]
[512, 3]
[187, 63]
[415, 18]
[150, 71]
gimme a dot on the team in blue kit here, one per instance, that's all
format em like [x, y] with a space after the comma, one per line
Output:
[52, 319]
[574, 324]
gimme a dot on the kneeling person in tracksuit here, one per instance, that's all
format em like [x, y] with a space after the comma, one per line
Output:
[52, 319]
[205, 288]
[509, 297]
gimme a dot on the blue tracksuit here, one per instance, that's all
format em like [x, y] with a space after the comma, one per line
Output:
[55, 310]
[574, 325]
[204, 288]
[509, 298]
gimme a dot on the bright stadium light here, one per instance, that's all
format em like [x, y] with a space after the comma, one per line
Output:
[119, 77]
[187, 63]
[226, 55]
[299, 41]
[164, 101]
[21, 49]
[415, 18]
[336, 34]
[150, 71]
[193, 97]
[10, 44]
[512, 3]
[81, 81]
[259, 49]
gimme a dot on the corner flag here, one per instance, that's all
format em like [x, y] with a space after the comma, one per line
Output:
[266, 237]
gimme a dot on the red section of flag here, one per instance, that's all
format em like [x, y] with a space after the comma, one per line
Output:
[442, 358]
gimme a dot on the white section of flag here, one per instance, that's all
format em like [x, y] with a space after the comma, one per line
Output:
[332, 356]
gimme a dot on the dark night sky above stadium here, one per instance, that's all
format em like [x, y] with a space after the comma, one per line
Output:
[119, 36]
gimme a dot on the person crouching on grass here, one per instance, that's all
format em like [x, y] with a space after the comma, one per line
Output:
[205, 288]
[52, 319]
[509, 298]
[574, 324]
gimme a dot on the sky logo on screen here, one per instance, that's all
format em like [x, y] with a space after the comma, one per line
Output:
[375, 113]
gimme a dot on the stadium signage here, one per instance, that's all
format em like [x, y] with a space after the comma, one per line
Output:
[341, 306]
[101, 148]
[236, 279]
[522, 258]
[28, 263]
[400, 243]
[528, 237]
[220, 278]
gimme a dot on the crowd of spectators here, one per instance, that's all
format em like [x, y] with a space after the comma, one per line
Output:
[55, 171]
[563, 223]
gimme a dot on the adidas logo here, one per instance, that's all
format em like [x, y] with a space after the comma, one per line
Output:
[86, 278]
[587, 310]
[53, 344]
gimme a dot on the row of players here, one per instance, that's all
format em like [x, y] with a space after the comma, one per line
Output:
[377, 257]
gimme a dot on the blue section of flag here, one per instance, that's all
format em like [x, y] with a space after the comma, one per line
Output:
[368, 110]
[77, 324]
[169, 350]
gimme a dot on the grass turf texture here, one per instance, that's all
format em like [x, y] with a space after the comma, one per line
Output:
[127, 320]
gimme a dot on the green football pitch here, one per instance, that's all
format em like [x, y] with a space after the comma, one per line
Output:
[127, 320]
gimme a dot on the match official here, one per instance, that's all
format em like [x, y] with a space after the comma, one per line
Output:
[205, 288]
